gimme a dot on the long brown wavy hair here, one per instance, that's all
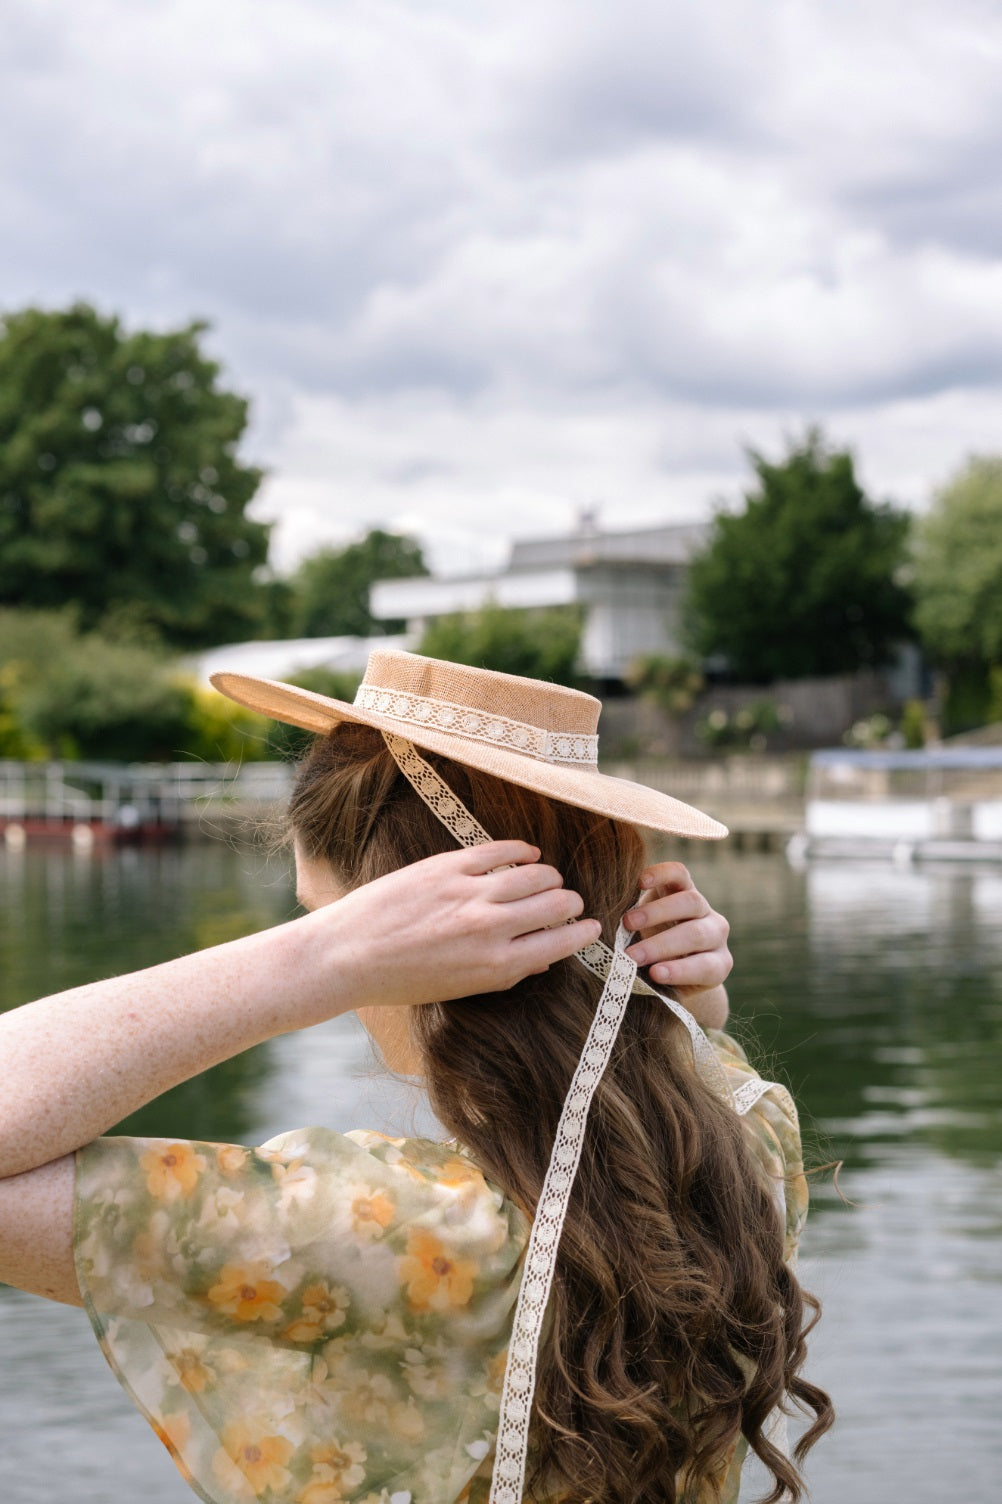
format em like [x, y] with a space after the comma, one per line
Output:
[675, 1326]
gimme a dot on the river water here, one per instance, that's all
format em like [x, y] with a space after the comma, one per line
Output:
[876, 992]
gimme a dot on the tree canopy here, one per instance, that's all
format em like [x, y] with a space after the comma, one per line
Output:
[120, 485]
[328, 595]
[807, 580]
[958, 567]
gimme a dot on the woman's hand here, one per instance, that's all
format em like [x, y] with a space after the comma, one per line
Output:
[683, 941]
[453, 925]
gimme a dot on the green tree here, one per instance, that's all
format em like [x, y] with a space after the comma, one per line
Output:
[807, 580]
[958, 589]
[120, 485]
[540, 644]
[330, 589]
[958, 567]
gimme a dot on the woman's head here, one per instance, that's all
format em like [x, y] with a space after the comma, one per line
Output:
[670, 1287]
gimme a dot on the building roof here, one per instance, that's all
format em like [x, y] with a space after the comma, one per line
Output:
[670, 543]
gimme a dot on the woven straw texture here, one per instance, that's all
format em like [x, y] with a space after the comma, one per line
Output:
[550, 708]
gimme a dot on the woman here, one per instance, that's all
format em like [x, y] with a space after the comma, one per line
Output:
[586, 1293]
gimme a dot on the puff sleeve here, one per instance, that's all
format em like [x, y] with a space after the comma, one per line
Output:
[324, 1318]
[773, 1131]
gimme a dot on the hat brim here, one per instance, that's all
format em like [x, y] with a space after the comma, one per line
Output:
[585, 788]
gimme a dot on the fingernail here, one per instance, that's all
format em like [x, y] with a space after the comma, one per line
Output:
[632, 919]
[646, 879]
[661, 973]
[637, 954]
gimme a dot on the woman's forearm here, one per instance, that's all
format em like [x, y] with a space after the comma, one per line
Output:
[451, 926]
[77, 1063]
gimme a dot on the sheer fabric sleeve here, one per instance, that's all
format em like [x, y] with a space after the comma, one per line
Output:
[321, 1319]
[774, 1137]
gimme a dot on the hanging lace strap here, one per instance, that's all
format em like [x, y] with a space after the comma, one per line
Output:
[541, 1254]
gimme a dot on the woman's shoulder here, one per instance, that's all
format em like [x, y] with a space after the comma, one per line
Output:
[773, 1133]
[371, 1189]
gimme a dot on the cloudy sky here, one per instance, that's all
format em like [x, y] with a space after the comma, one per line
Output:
[482, 263]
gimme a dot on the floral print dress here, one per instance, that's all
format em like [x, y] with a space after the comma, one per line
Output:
[326, 1318]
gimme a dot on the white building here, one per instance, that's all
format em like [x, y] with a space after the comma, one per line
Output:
[629, 584]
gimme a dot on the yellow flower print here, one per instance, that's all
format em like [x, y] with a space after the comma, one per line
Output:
[231, 1158]
[324, 1308]
[387, 1331]
[261, 1459]
[435, 1281]
[428, 1370]
[457, 1173]
[370, 1401]
[148, 1260]
[488, 1382]
[246, 1292]
[336, 1468]
[192, 1373]
[394, 1156]
[172, 1171]
[371, 1214]
[407, 1422]
[174, 1431]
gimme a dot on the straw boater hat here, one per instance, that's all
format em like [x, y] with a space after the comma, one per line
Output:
[537, 735]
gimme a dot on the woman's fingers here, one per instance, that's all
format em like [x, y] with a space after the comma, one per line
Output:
[510, 884]
[667, 876]
[683, 939]
[538, 951]
[479, 860]
[654, 911]
[700, 972]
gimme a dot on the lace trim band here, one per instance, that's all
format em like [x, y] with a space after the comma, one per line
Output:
[578, 751]
[619, 972]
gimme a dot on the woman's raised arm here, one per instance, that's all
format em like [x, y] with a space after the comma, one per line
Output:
[77, 1063]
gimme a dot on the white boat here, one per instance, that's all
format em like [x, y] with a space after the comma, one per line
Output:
[940, 803]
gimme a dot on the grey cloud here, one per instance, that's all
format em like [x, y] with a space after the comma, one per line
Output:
[613, 79]
[359, 234]
[954, 202]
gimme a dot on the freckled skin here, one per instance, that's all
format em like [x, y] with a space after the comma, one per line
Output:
[452, 926]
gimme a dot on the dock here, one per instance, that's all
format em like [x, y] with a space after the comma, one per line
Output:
[88, 804]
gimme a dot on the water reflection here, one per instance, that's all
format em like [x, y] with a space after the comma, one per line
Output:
[68, 917]
[876, 992]
[879, 993]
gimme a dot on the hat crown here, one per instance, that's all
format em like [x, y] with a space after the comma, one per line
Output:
[550, 707]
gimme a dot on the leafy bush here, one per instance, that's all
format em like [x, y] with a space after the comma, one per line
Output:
[539, 644]
[872, 731]
[219, 730]
[71, 694]
[291, 742]
[747, 729]
[672, 684]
